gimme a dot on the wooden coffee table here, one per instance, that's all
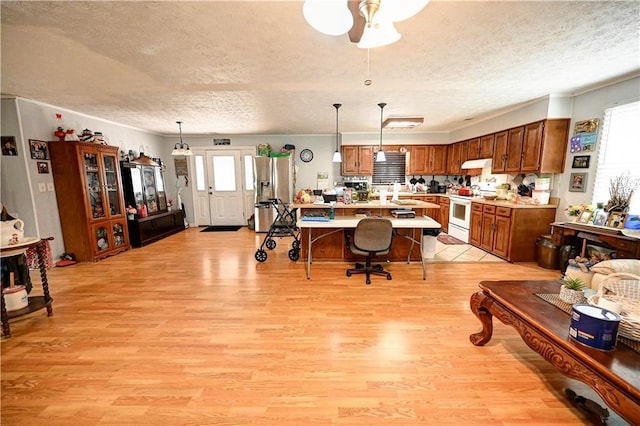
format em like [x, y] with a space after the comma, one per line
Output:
[614, 375]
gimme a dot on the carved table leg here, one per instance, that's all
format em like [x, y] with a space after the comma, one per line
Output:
[43, 276]
[480, 304]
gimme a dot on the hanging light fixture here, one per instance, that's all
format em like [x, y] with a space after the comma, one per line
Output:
[380, 157]
[337, 156]
[181, 148]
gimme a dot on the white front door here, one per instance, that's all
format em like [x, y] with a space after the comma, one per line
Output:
[225, 187]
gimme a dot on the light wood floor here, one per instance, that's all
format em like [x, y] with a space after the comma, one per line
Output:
[192, 330]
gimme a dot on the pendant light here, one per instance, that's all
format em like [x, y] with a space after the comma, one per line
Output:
[337, 156]
[380, 157]
[181, 148]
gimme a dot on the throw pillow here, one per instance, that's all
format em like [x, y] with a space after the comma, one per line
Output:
[606, 267]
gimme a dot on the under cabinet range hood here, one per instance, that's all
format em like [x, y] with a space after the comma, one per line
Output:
[476, 164]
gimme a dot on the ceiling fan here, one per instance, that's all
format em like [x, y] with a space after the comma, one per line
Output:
[369, 23]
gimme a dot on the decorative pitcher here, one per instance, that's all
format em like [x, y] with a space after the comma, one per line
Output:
[12, 232]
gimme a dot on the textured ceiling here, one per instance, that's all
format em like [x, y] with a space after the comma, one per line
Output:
[256, 67]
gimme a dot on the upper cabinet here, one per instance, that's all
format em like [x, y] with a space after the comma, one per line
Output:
[538, 147]
[481, 147]
[458, 154]
[427, 160]
[90, 201]
[357, 160]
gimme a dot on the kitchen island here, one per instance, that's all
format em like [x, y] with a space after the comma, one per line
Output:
[327, 240]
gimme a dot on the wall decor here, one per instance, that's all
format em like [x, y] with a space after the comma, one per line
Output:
[181, 166]
[39, 149]
[43, 167]
[581, 162]
[221, 141]
[578, 182]
[585, 216]
[617, 220]
[585, 136]
[9, 145]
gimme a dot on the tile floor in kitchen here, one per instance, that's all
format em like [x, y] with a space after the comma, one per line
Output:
[462, 253]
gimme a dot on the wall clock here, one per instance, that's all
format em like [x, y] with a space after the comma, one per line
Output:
[306, 155]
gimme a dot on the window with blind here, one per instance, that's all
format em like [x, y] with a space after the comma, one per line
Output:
[392, 170]
[619, 151]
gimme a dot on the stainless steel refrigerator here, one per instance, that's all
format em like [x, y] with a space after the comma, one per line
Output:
[273, 179]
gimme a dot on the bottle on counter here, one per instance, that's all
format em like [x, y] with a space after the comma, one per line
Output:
[332, 210]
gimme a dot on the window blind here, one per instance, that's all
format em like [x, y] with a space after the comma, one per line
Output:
[390, 171]
[618, 152]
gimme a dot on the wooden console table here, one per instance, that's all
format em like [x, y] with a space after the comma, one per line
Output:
[580, 234]
[614, 375]
[35, 302]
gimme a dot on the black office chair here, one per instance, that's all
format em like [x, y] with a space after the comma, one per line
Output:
[372, 237]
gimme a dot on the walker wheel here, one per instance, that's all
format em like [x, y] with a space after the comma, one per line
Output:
[296, 244]
[261, 255]
[389, 277]
[348, 273]
[294, 254]
[271, 244]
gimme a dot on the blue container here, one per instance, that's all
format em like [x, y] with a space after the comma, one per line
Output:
[594, 326]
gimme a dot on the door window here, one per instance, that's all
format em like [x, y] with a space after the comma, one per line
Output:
[224, 166]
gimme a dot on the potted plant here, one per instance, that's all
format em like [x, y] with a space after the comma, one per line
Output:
[571, 290]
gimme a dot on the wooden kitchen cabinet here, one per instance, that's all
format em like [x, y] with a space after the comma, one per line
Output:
[437, 160]
[545, 146]
[90, 200]
[514, 150]
[444, 213]
[418, 159]
[499, 159]
[357, 160]
[475, 231]
[428, 160]
[481, 147]
[456, 156]
[509, 232]
[538, 147]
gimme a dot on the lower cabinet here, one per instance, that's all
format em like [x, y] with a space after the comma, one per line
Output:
[147, 230]
[444, 213]
[509, 232]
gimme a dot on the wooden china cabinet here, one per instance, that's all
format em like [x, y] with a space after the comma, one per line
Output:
[90, 201]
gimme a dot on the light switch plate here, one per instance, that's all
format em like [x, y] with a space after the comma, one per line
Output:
[42, 187]
[50, 186]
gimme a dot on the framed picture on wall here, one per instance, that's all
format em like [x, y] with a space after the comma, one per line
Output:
[39, 149]
[581, 162]
[43, 167]
[617, 220]
[578, 182]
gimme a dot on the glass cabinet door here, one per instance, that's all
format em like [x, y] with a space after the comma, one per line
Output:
[136, 183]
[162, 196]
[101, 238]
[150, 190]
[117, 230]
[111, 183]
[94, 185]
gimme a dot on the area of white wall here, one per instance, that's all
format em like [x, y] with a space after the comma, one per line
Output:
[586, 106]
[15, 191]
[20, 185]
